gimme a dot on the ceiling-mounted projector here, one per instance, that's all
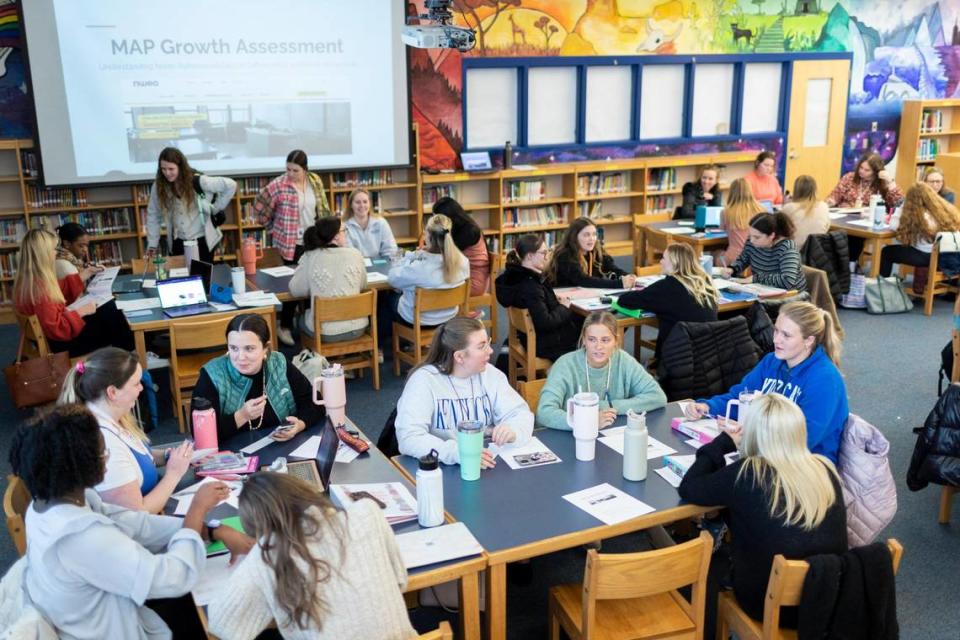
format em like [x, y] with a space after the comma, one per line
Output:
[442, 35]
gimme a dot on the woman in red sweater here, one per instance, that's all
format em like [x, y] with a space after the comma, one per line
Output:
[36, 291]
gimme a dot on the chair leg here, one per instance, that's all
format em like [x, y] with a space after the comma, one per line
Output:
[928, 293]
[375, 365]
[553, 620]
[396, 351]
[946, 503]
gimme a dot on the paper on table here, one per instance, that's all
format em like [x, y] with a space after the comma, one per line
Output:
[346, 455]
[308, 449]
[179, 272]
[672, 479]
[836, 215]
[678, 231]
[138, 304]
[532, 454]
[214, 577]
[375, 276]
[279, 272]
[367, 262]
[98, 300]
[608, 504]
[696, 444]
[437, 544]
[255, 299]
[253, 447]
[101, 284]
[655, 448]
[185, 497]
[149, 283]
[868, 223]
[220, 306]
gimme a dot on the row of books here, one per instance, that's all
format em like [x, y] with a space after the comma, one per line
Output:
[433, 193]
[143, 221]
[661, 203]
[535, 216]
[927, 149]
[511, 240]
[106, 253]
[662, 179]
[6, 292]
[97, 223]
[29, 164]
[599, 183]
[8, 264]
[369, 178]
[252, 186]
[143, 192]
[39, 198]
[12, 230]
[931, 121]
[524, 190]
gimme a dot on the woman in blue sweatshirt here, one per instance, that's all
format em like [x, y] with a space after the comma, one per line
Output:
[802, 367]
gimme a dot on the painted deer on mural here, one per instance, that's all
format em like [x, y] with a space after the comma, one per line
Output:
[516, 31]
[740, 33]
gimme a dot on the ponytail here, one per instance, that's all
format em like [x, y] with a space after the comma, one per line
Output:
[527, 244]
[814, 321]
[830, 340]
[439, 236]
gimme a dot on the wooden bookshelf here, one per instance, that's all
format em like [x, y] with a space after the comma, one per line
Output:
[928, 128]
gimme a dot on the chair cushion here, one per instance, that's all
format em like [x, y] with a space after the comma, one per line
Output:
[652, 616]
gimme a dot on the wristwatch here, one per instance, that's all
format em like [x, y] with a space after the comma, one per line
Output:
[212, 525]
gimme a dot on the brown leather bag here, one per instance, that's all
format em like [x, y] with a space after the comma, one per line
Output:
[36, 381]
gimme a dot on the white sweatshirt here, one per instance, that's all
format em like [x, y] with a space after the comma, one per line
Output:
[425, 270]
[433, 403]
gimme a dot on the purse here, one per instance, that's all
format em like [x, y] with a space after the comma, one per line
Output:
[36, 381]
[886, 295]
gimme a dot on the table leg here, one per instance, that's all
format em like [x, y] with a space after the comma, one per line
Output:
[470, 607]
[497, 601]
[875, 248]
[140, 343]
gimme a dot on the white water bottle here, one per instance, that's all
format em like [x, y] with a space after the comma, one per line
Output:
[635, 447]
[430, 491]
[879, 209]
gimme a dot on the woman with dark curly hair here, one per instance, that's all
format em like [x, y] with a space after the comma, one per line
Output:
[94, 565]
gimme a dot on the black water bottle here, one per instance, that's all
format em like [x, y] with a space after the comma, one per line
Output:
[507, 155]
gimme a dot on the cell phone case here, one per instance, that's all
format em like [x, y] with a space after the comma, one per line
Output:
[357, 444]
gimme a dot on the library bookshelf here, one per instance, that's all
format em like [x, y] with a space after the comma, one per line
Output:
[928, 128]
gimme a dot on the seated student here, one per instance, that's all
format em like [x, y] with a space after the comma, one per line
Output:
[686, 294]
[252, 386]
[36, 291]
[870, 178]
[521, 285]
[468, 238]
[439, 265]
[367, 231]
[933, 177]
[770, 253]
[705, 191]
[810, 215]
[804, 368]
[580, 261]
[779, 498]
[72, 254]
[917, 222]
[763, 179]
[600, 366]
[329, 269]
[318, 571]
[735, 219]
[455, 383]
[92, 565]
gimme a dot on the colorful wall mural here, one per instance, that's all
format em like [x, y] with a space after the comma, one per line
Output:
[16, 111]
[908, 49]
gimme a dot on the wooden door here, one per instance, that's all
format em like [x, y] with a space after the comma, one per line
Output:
[818, 115]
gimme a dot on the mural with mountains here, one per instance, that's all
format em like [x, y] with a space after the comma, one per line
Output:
[908, 49]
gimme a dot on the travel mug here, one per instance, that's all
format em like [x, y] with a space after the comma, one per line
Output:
[239, 279]
[470, 446]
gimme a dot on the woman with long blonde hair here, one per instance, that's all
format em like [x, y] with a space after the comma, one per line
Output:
[439, 265]
[809, 214]
[367, 231]
[780, 498]
[924, 214]
[735, 218]
[685, 294]
[36, 291]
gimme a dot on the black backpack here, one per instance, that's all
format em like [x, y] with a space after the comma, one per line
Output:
[217, 218]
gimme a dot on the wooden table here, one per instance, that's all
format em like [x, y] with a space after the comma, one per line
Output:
[518, 515]
[700, 242]
[875, 239]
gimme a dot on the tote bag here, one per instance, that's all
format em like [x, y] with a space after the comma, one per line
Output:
[36, 381]
[886, 295]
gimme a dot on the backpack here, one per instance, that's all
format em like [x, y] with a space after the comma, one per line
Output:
[217, 218]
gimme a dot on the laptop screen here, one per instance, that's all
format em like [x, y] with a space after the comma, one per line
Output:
[202, 269]
[327, 452]
[181, 292]
[476, 161]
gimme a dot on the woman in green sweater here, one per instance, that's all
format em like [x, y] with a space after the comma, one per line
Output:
[600, 366]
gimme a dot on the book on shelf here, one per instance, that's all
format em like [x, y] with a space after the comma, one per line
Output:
[41, 198]
[143, 221]
[369, 178]
[252, 186]
[97, 223]
[931, 121]
[592, 184]
[594, 210]
[493, 244]
[142, 192]
[535, 216]
[12, 230]
[260, 235]
[524, 190]
[28, 163]
[434, 192]
[106, 253]
[8, 264]
[6, 293]
[510, 241]
[927, 149]
[662, 179]
[659, 204]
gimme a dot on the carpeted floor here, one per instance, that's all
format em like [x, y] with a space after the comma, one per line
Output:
[890, 364]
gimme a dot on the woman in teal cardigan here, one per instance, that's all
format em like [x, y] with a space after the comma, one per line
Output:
[600, 366]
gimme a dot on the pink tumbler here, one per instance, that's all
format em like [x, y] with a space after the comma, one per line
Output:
[330, 383]
[204, 425]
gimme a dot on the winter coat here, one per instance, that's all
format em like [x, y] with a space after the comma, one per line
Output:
[936, 456]
[19, 619]
[706, 358]
[831, 253]
[869, 490]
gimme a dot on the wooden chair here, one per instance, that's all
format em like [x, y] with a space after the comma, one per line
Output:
[137, 265]
[937, 281]
[634, 595]
[530, 391]
[443, 632]
[489, 299]
[420, 337]
[783, 590]
[522, 360]
[191, 346]
[361, 352]
[35, 343]
[649, 246]
[652, 270]
[16, 499]
[946, 502]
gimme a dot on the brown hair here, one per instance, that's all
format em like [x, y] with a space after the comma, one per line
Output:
[814, 321]
[450, 337]
[604, 318]
[741, 205]
[877, 164]
[762, 156]
[569, 249]
[285, 514]
[299, 158]
[180, 188]
[527, 244]
[778, 223]
[709, 167]
[921, 199]
[36, 279]
[805, 194]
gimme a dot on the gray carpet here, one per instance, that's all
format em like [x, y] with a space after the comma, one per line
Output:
[890, 364]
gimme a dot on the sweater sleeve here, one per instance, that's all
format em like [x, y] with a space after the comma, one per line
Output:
[302, 390]
[388, 244]
[226, 423]
[509, 407]
[790, 275]
[609, 266]
[409, 273]
[71, 286]
[743, 260]
[643, 392]
[415, 411]
[153, 219]
[552, 408]
[546, 317]
[654, 298]
[224, 188]
[300, 281]
[838, 195]
[688, 210]
[58, 322]
[824, 405]
[709, 481]
[243, 611]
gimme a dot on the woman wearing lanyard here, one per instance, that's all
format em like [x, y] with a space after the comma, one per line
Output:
[600, 366]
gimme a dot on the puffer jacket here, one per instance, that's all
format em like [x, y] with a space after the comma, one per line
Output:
[704, 359]
[831, 253]
[869, 490]
[936, 456]
[19, 619]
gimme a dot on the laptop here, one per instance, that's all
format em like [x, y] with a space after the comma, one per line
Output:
[181, 297]
[204, 270]
[707, 217]
[317, 471]
[767, 205]
[476, 161]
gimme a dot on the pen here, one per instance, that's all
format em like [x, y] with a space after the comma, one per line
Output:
[607, 397]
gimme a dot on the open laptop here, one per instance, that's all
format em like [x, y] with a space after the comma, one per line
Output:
[476, 161]
[317, 472]
[707, 217]
[204, 270]
[180, 297]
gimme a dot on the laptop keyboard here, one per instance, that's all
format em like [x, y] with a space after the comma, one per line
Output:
[301, 471]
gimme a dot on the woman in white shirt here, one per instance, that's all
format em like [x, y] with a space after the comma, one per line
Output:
[440, 265]
[455, 383]
[809, 214]
[93, 566]
[923, 215]
[367, 232]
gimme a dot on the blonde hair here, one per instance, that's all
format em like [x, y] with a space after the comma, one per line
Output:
[741, 205]
[604, 318]
[922, 199]
[805, 194]
[774, 447]
[709, 167]
[814, 321]
[348, 213]
[440, 239]
[36, 279]
[687, 271]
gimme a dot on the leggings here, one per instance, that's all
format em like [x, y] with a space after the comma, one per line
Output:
[901, 254]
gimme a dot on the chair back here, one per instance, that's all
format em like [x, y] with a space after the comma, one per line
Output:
[650, 244]
[197, 334]
[436, 299]
[530, 391]
[522, 358]
[489, 298]
[137, 265]
[16, 499]
[34, 342]
[361, 305]
[619, 576]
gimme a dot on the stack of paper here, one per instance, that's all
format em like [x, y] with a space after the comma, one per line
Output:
[279, 272]
[613, 438]
[138, 304]
[98, 300]
[374, 277]
[395, 500]
[255, 299]
[437, 544]
[101, 284]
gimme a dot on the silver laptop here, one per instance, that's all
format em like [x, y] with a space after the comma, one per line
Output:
[180, 297]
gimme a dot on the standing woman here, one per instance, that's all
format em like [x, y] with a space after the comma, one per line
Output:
[521, 285]
[288, 206]
[469, 239]
[771, 254]
[368, 232]
[36, 291]
[933, 176]
[686, 294]
[600, 366]
[73, 253]
[917, 222]
[704, 192]
[189, 204]
[735, 219]
[763, 179]
[580, 261]
[810, 215]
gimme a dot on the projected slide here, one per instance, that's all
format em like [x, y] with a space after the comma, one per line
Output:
[234, 84]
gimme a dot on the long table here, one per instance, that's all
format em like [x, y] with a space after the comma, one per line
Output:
[874, 239]
[517, 515]
[699, 241]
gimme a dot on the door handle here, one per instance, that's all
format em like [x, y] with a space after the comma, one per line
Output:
[792, 156]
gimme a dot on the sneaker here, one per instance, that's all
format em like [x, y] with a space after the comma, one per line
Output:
[156, 362]
[285, 337]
